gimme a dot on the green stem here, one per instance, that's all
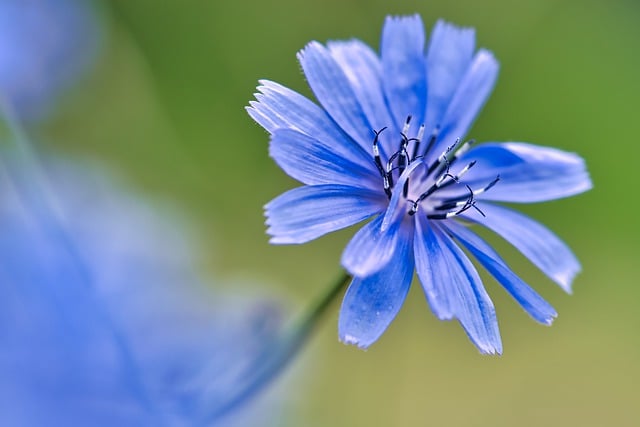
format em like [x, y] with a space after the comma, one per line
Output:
[269, 363]
[301, 330]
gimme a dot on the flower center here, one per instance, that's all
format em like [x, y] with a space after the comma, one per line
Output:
[424, 186]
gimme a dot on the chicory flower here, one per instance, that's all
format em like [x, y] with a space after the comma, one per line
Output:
[386, 144]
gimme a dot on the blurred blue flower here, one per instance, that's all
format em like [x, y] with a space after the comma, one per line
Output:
[103, 321]
[386, 145]
[45, 46]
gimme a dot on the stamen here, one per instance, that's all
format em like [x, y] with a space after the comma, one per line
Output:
[450, 205]
[414, 157]
[407, 123]
[386, 185]
[378, 161]
[402, 159]
[491, 184]
[464, 148]
[420, 133]
[389, 174]
[402, 154]
[432, 139]
[469, 203]
[456, 178]
[457, 200]
[376, 150]
[444, 176]
[440, 168]
[465, 170]
[442, 215]
[417, 140]
[443, 158]
[414, 206]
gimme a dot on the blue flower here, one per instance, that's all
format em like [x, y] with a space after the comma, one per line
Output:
[103, 321]
[45, 46]
[386, 146]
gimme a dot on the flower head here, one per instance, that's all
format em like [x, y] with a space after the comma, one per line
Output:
[104, 321]
[387, 144]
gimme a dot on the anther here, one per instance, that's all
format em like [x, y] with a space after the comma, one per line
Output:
[402, 153]
[376, 150]
[417, 139]
[456, 178]
[446, 215]
[403, 160]
[491, 184]
[464, 148]
[420, 132]
[378, 161]
[443, 158]
[465, 170]
[463, 206]
[407, 123]
[432, 139]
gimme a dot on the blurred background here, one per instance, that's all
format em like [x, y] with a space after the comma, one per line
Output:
[164, 108]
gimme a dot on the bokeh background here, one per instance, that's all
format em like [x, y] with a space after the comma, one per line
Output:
[164, 108]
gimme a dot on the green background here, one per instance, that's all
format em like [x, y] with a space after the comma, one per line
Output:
[165, 108]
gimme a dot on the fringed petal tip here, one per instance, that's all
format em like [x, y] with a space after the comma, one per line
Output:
[491, 351]
[283, 240]
[404, 20]
[452, 31]
[312, 45]
[488, 346]
[354, 341]
[549, 320]
[263, 87]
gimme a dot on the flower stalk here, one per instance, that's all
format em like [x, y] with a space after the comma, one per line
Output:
[269, 363]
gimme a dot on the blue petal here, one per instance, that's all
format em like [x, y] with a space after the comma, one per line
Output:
[471, 95]
[278, 107]
[448, 58]
[535, 241]
[371, 303]
[332, 88]
[528, 298]
[435, 289]
[363, 69]
[371, 248]
[403, 65]
[312, 162]
[449, 278]
[306, 213]
[528, 173]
